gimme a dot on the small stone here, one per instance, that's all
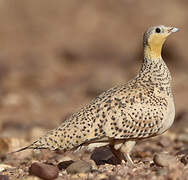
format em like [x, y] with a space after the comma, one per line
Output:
[164, 160]
[64, 164]
[79, 167]
[184, 159]
[114, 177]
[31, 178]
[121, 170]
[183, 137]
[60, 178]
[101, 155]
[82, 175]
[164, 142]
[94, 167]
[141, 154]
[3, 177]
[4, 167]
[175, 173]
[44, 171]
[161, 171]
[102, 176]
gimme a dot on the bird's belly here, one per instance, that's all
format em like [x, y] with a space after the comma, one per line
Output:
[96, 145]
[169, 118]
[92, 146]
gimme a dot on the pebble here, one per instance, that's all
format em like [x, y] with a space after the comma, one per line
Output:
[164, 142]
[121, 170]
[161, 171]
[183, 137]
[3, 177]
[184, 159]
[94, 167]
[31, 178]
[79, 176]
[64, 164]
[165, 160]
[44, 171]
[79, 167]
[102, 176]
[101, 155]
[175, 174]
[114, 177]
[4, 167]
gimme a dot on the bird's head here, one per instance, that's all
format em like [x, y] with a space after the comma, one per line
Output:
[154, 38]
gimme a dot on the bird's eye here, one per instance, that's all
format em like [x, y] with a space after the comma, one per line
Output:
[157, 30]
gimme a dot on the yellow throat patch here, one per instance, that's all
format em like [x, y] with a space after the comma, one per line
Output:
[154, 46]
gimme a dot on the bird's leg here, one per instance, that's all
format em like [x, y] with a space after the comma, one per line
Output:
[117, 154]
[122, 151]
[126, 149]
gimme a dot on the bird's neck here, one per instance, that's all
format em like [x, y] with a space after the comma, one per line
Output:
[155, 72]
[153, 51]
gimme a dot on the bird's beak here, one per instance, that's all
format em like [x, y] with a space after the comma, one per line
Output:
[173, 29]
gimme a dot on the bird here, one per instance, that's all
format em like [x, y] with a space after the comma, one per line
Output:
[121, 116]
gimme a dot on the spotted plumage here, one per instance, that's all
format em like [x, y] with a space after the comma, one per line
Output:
[119, 117]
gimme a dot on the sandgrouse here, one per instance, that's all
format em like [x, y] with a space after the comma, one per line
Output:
[122, 115]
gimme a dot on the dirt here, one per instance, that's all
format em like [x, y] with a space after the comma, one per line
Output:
[55, 57]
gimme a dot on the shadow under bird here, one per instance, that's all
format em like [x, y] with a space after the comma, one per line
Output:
[125, 114]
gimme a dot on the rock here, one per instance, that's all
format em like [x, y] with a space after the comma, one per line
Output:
[171, 135]
[121, 170]
[79, 167]
[60, 178]
[161, 171]
[94, 167]
[183, 137]
[165, 160]
[182, 152]
[3, 177]
[44, 171]
[114, 177]
[184, 159]
[164, 142]
[31, 178]
[102, 156]
[175, 174]
[80, 176]
[102, 176]
[4, 167]
[64, 164]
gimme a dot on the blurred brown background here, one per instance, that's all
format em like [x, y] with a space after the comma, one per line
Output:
[55, 56]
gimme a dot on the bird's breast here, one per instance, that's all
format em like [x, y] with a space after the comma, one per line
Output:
[169, 117]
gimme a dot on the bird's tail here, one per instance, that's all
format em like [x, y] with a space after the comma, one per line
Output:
[41, 143]
[21, 149]
[34, 145]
